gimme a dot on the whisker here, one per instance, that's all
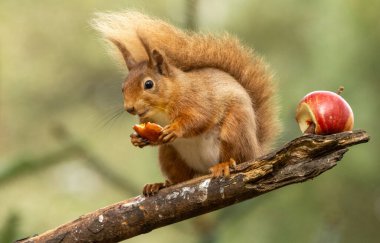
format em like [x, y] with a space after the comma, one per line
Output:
[114, 116]
[105, 115]
[117, 115]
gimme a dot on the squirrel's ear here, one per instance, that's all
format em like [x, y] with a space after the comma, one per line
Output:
[129, 60]
[160, 63]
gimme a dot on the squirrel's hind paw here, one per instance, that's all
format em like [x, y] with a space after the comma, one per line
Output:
[223, 168]
[151, 189]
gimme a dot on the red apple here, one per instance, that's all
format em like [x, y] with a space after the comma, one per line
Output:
[324, 112]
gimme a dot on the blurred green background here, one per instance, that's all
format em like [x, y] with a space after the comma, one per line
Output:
[62, 155]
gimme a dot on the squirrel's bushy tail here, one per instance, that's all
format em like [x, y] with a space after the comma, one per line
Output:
[189, 50]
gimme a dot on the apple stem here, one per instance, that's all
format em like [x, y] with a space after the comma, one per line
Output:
[340, 90]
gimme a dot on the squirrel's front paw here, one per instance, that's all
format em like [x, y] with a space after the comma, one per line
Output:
[139, 141]
[170, 133]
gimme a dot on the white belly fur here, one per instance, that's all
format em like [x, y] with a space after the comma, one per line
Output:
[201, 152]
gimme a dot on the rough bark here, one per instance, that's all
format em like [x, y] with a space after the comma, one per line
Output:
[301, 159]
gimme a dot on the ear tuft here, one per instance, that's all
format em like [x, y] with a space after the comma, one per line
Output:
[129, 60]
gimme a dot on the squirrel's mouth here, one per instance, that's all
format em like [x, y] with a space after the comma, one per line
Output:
[141, 115]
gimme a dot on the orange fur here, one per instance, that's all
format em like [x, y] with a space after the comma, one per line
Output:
[204, 86]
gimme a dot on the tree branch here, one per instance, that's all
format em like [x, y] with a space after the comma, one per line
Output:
[301, 159]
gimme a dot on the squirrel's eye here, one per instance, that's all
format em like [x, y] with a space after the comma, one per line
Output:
[148, 84]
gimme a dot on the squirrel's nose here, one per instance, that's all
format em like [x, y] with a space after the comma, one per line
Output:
[131, 110]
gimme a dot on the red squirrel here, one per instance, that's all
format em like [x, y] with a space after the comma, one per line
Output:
[213, 96]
